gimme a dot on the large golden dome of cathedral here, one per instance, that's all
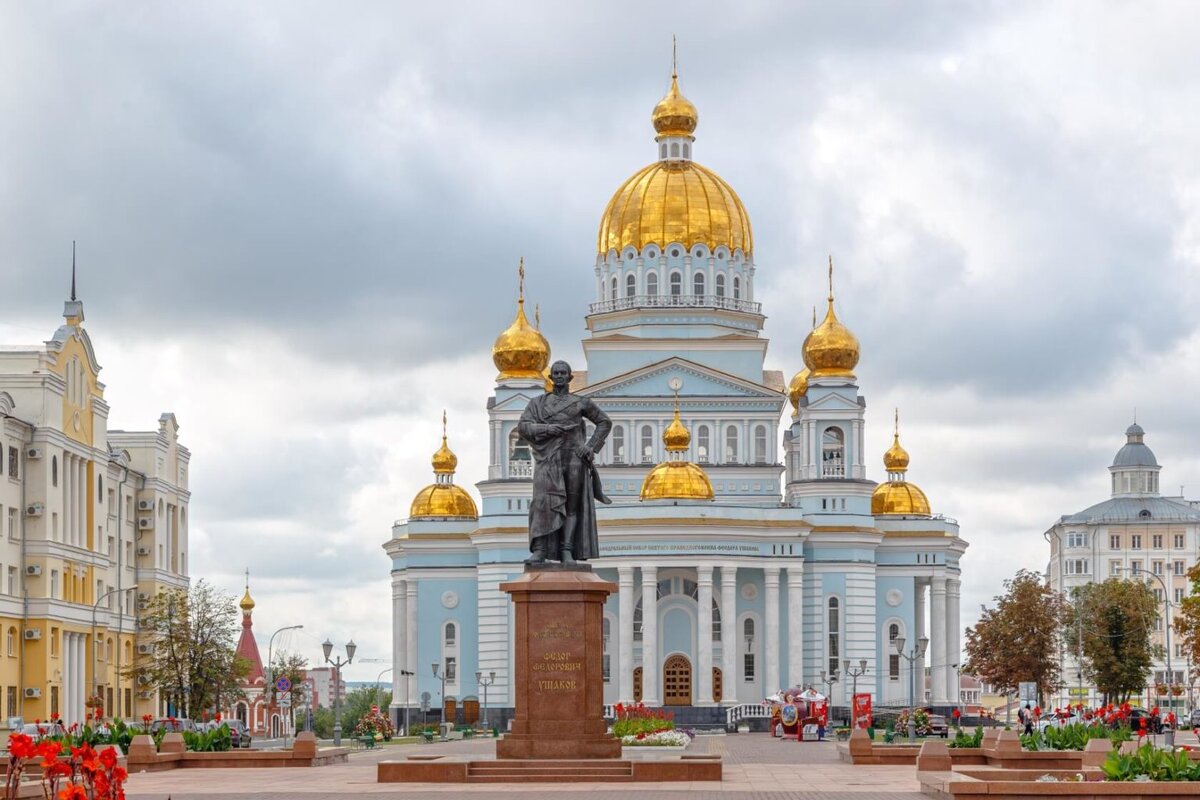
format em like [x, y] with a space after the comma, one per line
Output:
[675, 200]
[676, 478]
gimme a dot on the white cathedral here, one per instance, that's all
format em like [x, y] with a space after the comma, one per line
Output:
[744, 567]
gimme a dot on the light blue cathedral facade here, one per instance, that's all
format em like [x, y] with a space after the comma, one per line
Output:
[798, 562]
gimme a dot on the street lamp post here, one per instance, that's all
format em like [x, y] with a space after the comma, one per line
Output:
[1138, 571]
[405, 674]
[271, 664]
[918, 652]
[442, 676]
[95, 606]
[829, 681]
[379, 688]
[338, 663]
[854, 674]
[485, 683]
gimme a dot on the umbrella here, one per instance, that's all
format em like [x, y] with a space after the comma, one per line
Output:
[811, 695]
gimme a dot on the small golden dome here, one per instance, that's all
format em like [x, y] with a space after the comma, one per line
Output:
[247, 602]
[831, 350]
[674, 115]
[798, 387]
[676, 437]
[443, 500]
[899, 497]
[520, 351]
[444, 460]
[896, 458]
[675, 201]
[677, 480]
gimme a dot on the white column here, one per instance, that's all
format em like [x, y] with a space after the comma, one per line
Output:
[952, 651]
[81, 503]
[704, 600]
[920, 601]
[937, 645]
[771, 623]
[795, 610]
[651, 666]
[730, 677]
[399, 642]
[411, 629]
[81, 649]
[625, 603]
[65, 477]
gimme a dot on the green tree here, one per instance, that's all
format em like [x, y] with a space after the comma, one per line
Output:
[359, 701]
[294, 667]
[1018, 640]
[1187, 619]
[193, 634]
[1115, 619]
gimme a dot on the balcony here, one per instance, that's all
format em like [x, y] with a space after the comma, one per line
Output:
[675, 301]
[520, 469]
[833, 469]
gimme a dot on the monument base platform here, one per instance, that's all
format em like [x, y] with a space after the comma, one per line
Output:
[449, 769]
[540, 746]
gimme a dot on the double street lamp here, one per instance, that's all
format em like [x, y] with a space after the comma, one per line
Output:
[442, 675]
[916, 654]
[338, 663]
[854, 674]
[405, 674]
[485, 683]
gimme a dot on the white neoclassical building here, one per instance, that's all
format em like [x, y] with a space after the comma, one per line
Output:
[751, 548]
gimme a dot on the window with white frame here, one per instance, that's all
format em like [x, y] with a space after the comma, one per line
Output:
[748, 658]
[760, 444]
[737, 288]
[618, 444]
[1179, 570]
[698, 284]
[1077, 539]
[613, 294]
[1135, 541]
[833, 453]
[720, 285]
[1179, 595]
[676, 282]
[893, 657]
[1114, 541]
[1156, 541]
[833, 634]
[1179, 539]
[1077, 566]
[652, 284]
[647, 444]
[630, 285]
[1157, 566]
[702, 444]
[731, 444]
[1114, 568]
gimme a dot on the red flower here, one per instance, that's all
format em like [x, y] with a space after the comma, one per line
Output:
[49, 749]
[218, 716]
[21, 746]
[73, 792]
[108, 757]
[54, 717]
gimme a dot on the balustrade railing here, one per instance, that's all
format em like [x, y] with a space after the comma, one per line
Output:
[676, 301]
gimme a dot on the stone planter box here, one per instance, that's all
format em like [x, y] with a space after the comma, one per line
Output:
[637, 752]
[142, 756]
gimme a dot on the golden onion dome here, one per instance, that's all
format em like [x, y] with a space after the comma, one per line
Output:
[442, 501]
[444, 460]
[674, 115]
[247, 603]
[675, 201]
[896, 457]
[521, 351]
[831, 350]
[676, 436]
[798, 387]
[677, 480]
[899, 497]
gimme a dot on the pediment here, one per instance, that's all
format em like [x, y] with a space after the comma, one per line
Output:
[516, 402]
[698, 381]
[833, 402]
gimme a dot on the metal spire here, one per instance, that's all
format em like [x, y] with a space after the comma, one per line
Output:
[73, 270]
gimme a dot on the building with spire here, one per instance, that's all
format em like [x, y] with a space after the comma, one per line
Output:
[746, 544]
[94, 520]
[257, 706]
[1134, 532]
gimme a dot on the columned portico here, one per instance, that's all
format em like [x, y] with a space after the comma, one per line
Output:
[729, 636]
[704, 617]
[410, 628]
[771, 623]
[650, 661]
[795, 610]
[953, 588]
[399, 642]
[625, 603]
[937, 643]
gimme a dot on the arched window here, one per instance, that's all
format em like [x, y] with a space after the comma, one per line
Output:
[748, 629]
[720, 287]
[647, 444]
[662, 150]
[54, 470]
[731, 445]
[674, 149]
[702, 446]
[618, 444]
[748, 671]
[833, 453]
[760, 444]
[614, 288]
[451, 634]
[893, 656]
[833, 632]
[652, 284]
[630, 285]
[11, 642]
[737, 288]
[687, 150]
[676, 284]
[698, 284]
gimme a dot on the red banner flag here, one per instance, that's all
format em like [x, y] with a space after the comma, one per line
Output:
[862, 711]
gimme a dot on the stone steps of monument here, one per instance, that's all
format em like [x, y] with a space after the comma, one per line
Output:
[549, 771]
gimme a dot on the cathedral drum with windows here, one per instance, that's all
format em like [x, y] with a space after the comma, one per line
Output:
[751, 551]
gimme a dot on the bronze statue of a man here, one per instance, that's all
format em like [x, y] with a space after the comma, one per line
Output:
[562, 514]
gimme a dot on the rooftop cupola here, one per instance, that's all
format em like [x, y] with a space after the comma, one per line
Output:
[1134, 469]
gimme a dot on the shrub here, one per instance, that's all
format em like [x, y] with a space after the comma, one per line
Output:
[636, 719]
[1149, 761]
[376, 724]
[961, 739]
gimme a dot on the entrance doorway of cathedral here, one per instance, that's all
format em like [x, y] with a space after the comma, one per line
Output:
[677, 681]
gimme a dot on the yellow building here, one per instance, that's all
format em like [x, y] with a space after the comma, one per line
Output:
[94, 521]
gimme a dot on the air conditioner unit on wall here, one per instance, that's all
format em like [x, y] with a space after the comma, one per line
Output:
[33, 634]
[143, 596]
[33, 692]
[145, 649]
[144, 551]
[142, 680]
[145, 523]
[145, 505]
[34, 510]
[34, 452]
[33, 570]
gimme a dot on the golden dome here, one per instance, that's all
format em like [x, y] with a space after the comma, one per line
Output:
[896, 458]
[520, 351]
[677, 480]
[676, 437]
[675, 201]
[443, 500]
[899, 497]
[247, 603]
[831, 350]
[798, 387]
[674, 115]
[444, 460]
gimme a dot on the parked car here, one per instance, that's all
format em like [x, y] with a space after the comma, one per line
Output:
[1153, 723]
[176, 725]
[239, 731]
[1195, 717]
[938, 726]
[40, 730]
[1057, 721]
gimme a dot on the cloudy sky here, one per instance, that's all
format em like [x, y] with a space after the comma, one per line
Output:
[299, 223]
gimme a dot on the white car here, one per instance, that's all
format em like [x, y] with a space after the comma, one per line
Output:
[1053, 721]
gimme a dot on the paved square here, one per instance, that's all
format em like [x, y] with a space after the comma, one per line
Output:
[756, 768]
